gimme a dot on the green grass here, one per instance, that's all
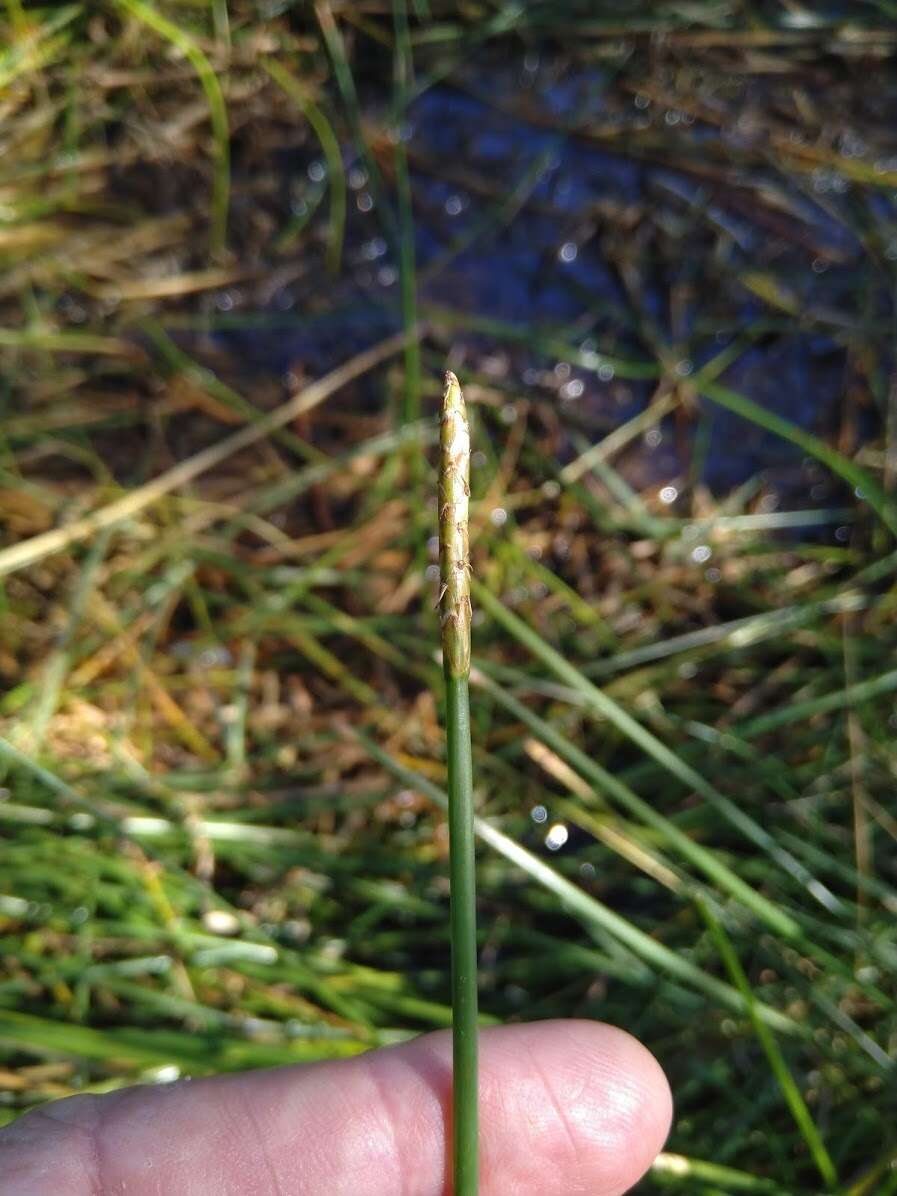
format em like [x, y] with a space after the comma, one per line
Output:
[224, 767]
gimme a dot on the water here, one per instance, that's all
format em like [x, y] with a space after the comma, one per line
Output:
[523, 215]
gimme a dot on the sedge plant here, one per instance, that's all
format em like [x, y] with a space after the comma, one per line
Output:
[455, 617]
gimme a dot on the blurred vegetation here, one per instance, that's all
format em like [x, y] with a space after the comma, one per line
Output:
[223, 843]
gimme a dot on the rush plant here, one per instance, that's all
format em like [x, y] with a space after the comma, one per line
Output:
[455, 615]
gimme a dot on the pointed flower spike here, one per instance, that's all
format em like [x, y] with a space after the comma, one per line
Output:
[454, 502]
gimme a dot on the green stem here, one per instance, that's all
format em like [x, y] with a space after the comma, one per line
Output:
[464, 940]
[336, 175]
[217, 110]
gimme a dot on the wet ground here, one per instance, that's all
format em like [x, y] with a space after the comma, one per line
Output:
[555, 202]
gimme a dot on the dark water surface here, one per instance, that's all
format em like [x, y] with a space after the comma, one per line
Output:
[628, 229]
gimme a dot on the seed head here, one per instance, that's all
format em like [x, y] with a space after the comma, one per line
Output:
[454, 500]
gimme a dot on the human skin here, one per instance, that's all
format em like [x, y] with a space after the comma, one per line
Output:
[568, 1108]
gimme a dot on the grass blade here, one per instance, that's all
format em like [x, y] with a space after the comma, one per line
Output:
[855, 476]
[605, 783]
[18, 556]
[599, 702]
[336, 175]
[779, 1067]
[217, 111]
[587, 909]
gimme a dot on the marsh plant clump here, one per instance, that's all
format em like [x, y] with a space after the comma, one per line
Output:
[238, 243]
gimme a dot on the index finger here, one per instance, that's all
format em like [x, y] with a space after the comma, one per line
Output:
[566, 1107]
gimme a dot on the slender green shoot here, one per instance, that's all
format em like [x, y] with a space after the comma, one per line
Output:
[455, 615]
[217, 111]
[853, 474]
[670, 1170]
[336, 175]
[345, 82]
[790, 1091]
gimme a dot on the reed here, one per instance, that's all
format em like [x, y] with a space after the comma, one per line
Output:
[455, 614]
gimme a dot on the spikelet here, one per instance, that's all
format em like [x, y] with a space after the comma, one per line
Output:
[454, 500]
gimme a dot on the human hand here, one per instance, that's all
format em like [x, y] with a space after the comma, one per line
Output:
[566, 1108]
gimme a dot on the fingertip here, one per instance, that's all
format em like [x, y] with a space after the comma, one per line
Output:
[593, 1103]
[631, 1129]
